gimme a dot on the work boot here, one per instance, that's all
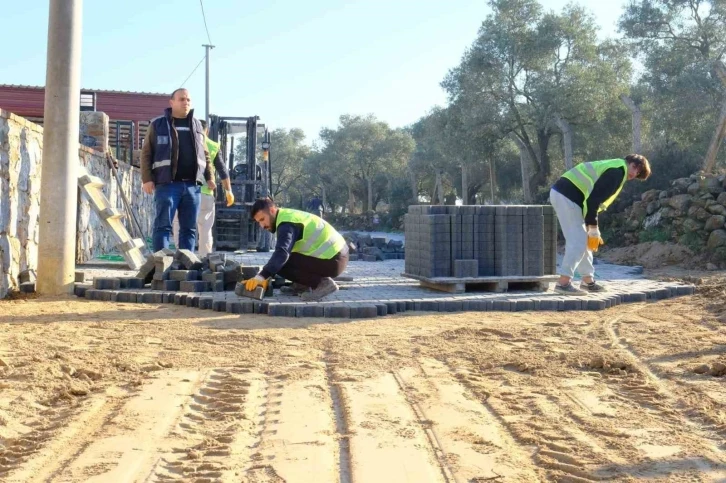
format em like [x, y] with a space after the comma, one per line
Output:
[325, 287]
[568, 289]
[593, 287]
[294, 289]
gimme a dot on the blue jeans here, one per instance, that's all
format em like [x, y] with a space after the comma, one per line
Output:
[168, 198]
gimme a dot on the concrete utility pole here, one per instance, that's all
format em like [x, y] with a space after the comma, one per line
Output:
[59, 183]
[207, 48]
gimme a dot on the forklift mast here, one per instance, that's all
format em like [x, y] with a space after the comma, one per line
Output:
[250, 179]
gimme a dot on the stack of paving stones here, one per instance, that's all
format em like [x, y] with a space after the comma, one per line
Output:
[480, 241]
[373, 249]
[167, 272]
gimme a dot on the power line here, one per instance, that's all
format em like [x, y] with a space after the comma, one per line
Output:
[195, 69]
[201, 3]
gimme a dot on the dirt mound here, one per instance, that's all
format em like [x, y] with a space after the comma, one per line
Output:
[650, 255]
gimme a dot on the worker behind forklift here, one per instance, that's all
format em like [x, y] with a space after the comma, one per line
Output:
[309, 252]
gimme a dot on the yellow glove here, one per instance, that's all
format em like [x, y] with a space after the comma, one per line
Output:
[230, 197]
[255, 282]
[593, 239]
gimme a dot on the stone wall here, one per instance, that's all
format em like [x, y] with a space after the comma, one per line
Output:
[21, 147]
[692, 212]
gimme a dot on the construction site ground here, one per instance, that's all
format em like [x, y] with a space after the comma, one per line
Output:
[115, 392]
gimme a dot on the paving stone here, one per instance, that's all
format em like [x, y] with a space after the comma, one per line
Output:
[131, 282]
[595, 305]
[219, 306]
[192, 300]
[249, 272]
[27, 287]
[151, 298]
[79, 289]
[363, 311]
[337, 311]
[194, 286]
[106, 283]
[234, 307]
[183, 275]
[206, 303]
[146, 272]
[180, 299]
[304, 310]
[128, 297]
[167, 297]
[381, 309]
[165, 285]
[188, 259]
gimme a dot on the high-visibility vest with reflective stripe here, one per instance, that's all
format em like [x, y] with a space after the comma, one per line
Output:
[213, 149]
[319, 239]
[585, 175]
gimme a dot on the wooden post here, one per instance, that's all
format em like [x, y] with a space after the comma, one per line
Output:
[566, 130]
[637, 121]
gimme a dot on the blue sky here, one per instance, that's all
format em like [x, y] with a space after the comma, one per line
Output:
[294, 63]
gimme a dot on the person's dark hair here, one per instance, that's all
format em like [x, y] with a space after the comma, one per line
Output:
[203, 123]
[640, 162]
[261, 204]
[175, 91]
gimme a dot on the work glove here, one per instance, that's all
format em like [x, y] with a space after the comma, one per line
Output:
[230, 197]
[255, 282]
[594, 239]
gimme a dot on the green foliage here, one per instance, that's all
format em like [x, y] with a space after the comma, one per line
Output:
[692, 241]
[653, 235]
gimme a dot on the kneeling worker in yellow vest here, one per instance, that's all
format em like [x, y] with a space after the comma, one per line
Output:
[309, 252]
[577, 197]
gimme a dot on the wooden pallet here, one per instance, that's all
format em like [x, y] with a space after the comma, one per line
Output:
[485, 284]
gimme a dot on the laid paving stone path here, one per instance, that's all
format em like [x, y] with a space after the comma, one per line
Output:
[378, 289]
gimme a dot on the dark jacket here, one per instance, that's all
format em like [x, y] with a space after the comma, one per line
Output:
[605, 186]
[160, 153]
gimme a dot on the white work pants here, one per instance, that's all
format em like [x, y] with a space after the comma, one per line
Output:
[205, 221]
[577, 256]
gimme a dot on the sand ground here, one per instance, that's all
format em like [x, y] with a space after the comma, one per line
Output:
[112, 392]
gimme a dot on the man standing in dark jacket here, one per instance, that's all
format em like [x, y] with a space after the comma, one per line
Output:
[175, 165]
[577, 197]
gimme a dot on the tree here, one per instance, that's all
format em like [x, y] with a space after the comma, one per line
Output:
[363, 148]
[528, 68]
[682, 43]
[288, 154]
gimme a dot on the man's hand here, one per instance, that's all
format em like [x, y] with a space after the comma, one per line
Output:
[211, 184]
[594, 240]
[230, 198]
[255, 282]
[149, 187]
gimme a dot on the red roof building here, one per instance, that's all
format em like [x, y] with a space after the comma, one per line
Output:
[129, 112]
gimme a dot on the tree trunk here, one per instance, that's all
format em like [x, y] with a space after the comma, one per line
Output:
[369, 182]
[324, 195]
[351, 200]
[710, 161]
[492, 180]
[543, 158]
[524, 162]
[637, 122]
[564, 126]
[414, 186]
[464, 186]
[438, 198]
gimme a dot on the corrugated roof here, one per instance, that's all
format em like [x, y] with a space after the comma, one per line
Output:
[21, 86]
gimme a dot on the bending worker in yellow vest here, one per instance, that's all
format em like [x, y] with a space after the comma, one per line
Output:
[577, 197]
[205, 219]
[309, 252]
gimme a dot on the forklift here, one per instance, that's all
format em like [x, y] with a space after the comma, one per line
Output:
[234, 230]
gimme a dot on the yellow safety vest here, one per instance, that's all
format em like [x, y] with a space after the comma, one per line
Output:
[585, 175]
[213, 149]
[319, 239]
